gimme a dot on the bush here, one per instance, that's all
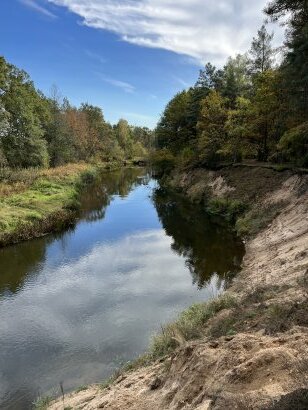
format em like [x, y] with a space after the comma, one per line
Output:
[186, 158]
[163, 161]
[257, 219]
[294, 145]
[229, 209]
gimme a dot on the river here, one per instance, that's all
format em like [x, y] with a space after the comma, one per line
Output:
[75, 306]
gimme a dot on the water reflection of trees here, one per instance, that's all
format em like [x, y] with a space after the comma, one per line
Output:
[208, 247]
[97, 197]
[19, 261]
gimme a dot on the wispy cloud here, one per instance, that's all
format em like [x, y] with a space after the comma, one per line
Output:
[32, 4]
[202, 29]
[184, 83]
[152, 97]
[95, 56]
[127, 87]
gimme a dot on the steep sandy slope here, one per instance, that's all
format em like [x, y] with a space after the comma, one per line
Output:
[264, 363]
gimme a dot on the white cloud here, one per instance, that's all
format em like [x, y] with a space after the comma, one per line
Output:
[202, 29]
[95, 56]
[127, 87]
[35, 6]
[86, 312]
[182, 82]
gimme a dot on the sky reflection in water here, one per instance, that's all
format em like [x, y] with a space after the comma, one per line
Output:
[76, 305]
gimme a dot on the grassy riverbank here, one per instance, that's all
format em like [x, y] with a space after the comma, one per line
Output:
[35, 202]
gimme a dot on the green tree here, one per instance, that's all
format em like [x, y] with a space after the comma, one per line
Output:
[210, 78]
[111, 149]
[295, 65]
[4, 130]
[4, 121]
[144, 136]
[236, 80]
[294, 145]
[261, 52]
[238, 128]
[124, 137]
[266, 113]
[24, 143]
[173, 130]
[60, 143]
[211, 128]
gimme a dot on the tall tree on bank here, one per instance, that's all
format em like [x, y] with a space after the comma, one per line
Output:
[24, 144]
[173, 130]
[4, 129]
[239, 131]
[261, 52]
[266, 109]
[295, 65]
[236, 81]
[60, 144]
[211, 128]
[124, 137]
[210, 78]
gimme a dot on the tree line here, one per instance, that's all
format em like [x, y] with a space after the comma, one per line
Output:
[251, 108]
[41, 131]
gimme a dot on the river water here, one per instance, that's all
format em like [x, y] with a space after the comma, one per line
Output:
[75, 306]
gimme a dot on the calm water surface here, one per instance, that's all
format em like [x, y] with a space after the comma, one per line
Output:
[75, 306]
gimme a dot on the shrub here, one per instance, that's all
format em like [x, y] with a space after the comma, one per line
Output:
[257, 219]
[229, 209]
[163, 161]
[294, 145]
[277, 318]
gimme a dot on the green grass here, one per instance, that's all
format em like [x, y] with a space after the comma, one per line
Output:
[42, 403]
[50, 194]
[190, 325]
[82, 388]
[258, 218]
[230, 209]
[224, 326]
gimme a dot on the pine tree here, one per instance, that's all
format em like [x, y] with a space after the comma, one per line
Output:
[295, 65]
[236, 80]
[262, 52]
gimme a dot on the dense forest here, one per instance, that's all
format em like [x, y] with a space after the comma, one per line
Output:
[253, 108]
[40, 131]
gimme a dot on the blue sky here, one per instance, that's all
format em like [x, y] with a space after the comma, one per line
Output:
[127, 56]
